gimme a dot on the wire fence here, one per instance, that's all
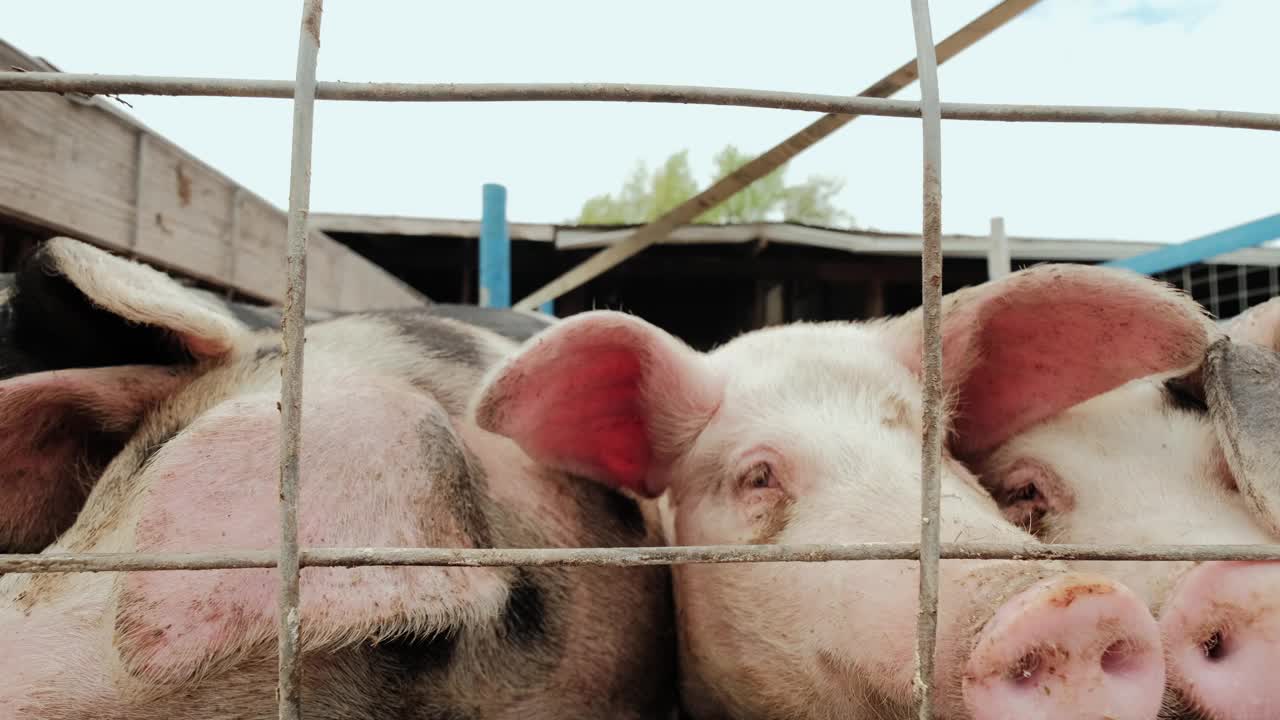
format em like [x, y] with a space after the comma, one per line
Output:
[290, 558]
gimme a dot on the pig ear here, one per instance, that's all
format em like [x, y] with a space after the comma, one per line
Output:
[1028, 346]
[88, 343]
[603, 395]
[70, 295]
[408, 481]
[58, 430]
[1242, 390]
[1259, 325]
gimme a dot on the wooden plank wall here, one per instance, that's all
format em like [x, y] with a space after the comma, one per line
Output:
[83, 167]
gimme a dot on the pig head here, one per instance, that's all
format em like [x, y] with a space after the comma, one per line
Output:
[48, 324]
[1175, 458]
[166, 409]
[811, 433]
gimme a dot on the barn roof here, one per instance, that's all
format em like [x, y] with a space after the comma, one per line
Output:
[866, 242]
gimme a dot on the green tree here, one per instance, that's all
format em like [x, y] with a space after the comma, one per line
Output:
[645, 196]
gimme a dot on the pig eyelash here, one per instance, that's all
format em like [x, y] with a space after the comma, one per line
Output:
[1025, 493]
[760, 477]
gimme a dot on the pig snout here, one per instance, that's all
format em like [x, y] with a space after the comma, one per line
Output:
[1221, 632]
[1070, 647]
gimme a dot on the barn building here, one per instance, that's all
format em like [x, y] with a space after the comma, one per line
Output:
[84, 167]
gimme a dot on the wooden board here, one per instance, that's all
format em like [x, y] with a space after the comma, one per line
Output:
[83, 167]
[424, 227]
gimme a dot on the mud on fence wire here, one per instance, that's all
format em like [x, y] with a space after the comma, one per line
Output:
[623, 557]
[629, 93]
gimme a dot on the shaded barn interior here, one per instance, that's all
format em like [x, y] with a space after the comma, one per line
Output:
[708, 292]
[704, 294]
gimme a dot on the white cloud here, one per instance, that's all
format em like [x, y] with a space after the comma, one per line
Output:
[1147, 183]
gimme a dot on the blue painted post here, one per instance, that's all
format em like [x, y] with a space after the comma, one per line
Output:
[495, 249]
[548, 307]
[1199, 249]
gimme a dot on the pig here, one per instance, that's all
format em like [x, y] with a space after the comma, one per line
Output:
[1175, 457]
[39, 331]
[811, 433]
[164, 401]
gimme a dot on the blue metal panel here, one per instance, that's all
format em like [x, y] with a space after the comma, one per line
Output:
[548, 308]
[495, 249]
[1203, 248]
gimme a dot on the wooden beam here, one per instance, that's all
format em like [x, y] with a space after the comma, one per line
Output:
[82, 167]
[418, 226]
[874, 242]
[768, 162]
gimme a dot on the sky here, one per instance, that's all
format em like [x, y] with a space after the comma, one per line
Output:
[1155, 184]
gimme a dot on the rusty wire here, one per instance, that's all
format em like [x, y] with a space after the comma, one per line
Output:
[289, 687]
[60, 562]
[625, 92]
[930, 360]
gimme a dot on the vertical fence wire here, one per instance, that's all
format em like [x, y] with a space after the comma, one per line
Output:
[288, 688]
[931, 359]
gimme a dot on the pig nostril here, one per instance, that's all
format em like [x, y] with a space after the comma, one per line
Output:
[1025, 669]
[1119, 657]
[1214, 647]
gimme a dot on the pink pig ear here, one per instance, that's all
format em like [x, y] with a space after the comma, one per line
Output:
[1026, 347]
[1259, 325]
[603, 395]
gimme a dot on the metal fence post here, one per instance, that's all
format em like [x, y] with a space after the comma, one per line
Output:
[495, 249]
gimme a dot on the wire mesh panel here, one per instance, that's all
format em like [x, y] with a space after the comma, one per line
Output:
[290, 558]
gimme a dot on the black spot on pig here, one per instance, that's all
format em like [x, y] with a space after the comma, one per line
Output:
[609, 516]
[524, 618]
[1185, 394]
[438, 338]
[419, 655]
[459, 483]
[510, 324]
[623, 510]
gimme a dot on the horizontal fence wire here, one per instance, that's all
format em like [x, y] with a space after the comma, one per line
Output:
[623, 557]
[626, 92]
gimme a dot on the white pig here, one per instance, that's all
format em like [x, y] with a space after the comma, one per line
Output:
[812, 433]
[1175, 458]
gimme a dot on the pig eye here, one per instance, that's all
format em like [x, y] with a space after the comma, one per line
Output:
[1025, 493]
[760, 477]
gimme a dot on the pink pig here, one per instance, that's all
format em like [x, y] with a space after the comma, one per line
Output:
[1177, 457]
[811, 433]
